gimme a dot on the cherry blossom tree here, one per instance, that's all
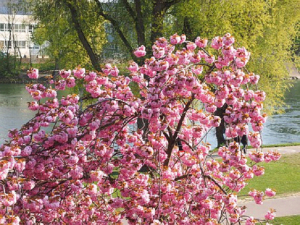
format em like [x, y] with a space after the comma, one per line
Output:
[83, 160]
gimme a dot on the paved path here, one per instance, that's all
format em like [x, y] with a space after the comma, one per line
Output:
[285, 206]
[284, 150]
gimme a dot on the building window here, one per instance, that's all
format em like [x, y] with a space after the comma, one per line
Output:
[30, 28]
[8, 27]
[21, 44]
[35, 46]
[5, 27]
[20, 28]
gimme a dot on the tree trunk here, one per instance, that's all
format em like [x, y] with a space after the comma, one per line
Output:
[7, 52]
[55, 72]
[221, 129]
[159, 10]
[187, 30]
[140, 29]
[92, 55]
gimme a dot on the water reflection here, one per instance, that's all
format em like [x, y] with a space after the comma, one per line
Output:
[13, 107]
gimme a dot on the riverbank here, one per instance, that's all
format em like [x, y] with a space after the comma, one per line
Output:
[22, 78]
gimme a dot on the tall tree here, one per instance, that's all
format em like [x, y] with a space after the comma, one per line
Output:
[11, 62]
[144, 20]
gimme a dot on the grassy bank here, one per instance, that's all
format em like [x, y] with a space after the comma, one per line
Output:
[287, 220]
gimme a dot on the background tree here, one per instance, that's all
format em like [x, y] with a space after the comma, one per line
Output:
[11, 59]
[137, 22]
[64, 32]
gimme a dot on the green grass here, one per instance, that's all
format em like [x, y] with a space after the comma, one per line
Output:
[283, 176]
[287, 220]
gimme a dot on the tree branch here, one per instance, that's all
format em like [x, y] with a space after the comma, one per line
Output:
[204, 176]
[173, 139]
[129, 9]
[116, 26]
[166, 135]
[215, 182]
[172, 2]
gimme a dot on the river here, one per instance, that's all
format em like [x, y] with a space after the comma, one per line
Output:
[283, 128]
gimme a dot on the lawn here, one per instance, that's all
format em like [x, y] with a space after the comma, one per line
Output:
[287, 220]
[283, 176]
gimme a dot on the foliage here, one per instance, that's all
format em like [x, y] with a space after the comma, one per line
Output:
[95, 166]
[296, 48]
[9, 65]
[55, 27]
[131, 23]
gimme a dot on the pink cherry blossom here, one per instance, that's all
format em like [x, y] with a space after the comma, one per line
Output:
[33, 73]
[228, 39]
[140, 51]
[217, 43]
[85, 156]
[65, 73]
[201, 43]
[269, 192]
[270, 215]
[79, 72]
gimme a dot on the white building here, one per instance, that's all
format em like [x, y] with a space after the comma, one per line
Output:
[15, 33]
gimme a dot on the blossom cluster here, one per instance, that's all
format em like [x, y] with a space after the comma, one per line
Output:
[110, 155]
